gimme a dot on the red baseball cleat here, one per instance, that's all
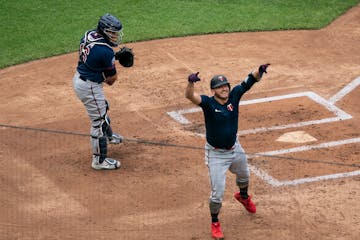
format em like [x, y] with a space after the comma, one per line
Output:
[216, 231]
[248, 204]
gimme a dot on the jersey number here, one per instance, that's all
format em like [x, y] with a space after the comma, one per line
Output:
[84, 52]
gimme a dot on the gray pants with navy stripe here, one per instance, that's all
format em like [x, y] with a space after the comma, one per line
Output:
[92, 96]
[219, 161]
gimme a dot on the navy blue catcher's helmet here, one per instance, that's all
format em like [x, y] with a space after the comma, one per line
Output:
[218, 80]
[111, 28]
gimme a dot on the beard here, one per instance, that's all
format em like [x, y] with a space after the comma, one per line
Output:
[222, 96]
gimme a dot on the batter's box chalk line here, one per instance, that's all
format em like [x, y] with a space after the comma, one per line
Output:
[328, 104]
[276, 183]
[339, 114]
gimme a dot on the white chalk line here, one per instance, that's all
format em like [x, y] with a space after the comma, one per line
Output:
[329, 104]
[343, 92]
[340, 114]
[310, 147]
[276, 183]
[177, 60]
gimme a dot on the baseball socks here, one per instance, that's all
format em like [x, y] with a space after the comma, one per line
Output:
[214, 217]
[244, 192]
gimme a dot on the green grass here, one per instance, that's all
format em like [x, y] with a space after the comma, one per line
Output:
[37, 29]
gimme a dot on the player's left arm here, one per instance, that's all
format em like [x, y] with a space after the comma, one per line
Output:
[254, 76]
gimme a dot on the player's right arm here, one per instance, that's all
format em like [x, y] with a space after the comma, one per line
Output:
[111, 79]
[191, 94]
[110, 74]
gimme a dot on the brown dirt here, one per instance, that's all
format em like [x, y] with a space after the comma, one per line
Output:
[49, 191]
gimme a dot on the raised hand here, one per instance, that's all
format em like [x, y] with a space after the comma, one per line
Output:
[262, 69]
[194, 77]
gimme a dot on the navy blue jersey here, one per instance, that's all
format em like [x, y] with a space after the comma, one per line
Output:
[96, 58]
[221, 121]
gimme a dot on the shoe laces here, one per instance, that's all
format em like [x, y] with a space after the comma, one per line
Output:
[246, 201]
[110, 161]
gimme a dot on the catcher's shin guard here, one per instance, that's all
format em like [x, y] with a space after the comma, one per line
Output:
[105, 126]
[99, 141]
[99, 146]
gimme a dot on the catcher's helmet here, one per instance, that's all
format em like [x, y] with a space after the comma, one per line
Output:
[218, 81]
[111, 28]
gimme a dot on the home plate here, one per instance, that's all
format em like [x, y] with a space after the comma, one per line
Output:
[296, 137]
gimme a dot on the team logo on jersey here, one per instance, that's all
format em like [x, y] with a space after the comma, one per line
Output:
[217, 110]
[230, 107]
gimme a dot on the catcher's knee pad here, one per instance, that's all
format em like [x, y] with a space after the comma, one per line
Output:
[105, 126]
[101, 127]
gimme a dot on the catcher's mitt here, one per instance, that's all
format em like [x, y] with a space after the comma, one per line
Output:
[125, 56]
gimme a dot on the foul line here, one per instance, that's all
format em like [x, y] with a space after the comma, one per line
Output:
[177, 60]
[343, 92]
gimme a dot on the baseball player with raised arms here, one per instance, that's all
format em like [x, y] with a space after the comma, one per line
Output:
[222, 149]
[96, 66]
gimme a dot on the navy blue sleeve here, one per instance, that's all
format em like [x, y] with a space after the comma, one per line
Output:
[243, 87]
[204, 101]
[248, 82]
[109, 63]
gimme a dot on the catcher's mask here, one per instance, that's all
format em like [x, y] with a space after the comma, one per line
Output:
[111, 28]
[218, 81]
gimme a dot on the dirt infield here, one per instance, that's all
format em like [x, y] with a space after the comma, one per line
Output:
[303, 190]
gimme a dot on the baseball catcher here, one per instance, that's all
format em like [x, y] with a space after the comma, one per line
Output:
[96, 66]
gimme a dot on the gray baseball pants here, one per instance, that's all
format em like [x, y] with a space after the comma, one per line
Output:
[219, 161]
[92, 96]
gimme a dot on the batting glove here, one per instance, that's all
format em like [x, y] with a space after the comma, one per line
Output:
[262, 69]
[193, 77]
